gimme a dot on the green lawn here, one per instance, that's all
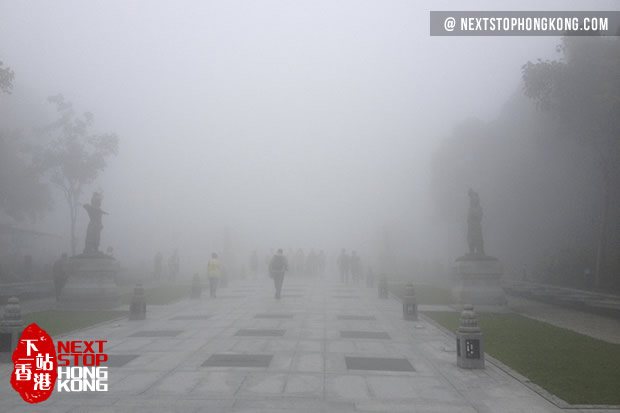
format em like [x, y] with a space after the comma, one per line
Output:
[56, 322]
[577, 368]
[425, 293]
[161, 295]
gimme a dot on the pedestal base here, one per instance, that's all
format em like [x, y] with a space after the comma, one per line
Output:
[477, 281]
[91, 283]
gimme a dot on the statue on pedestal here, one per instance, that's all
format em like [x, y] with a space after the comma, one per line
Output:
[93, 232]
[474, 225]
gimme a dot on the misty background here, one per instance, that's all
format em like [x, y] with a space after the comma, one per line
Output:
[273, 124]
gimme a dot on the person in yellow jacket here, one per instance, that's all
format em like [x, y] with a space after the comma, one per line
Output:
[213, 272]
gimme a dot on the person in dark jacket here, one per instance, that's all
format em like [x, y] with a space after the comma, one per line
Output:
[277, 267]
[60, 274]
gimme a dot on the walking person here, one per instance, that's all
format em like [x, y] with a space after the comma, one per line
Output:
[344, 263]
[356, 267]
[277, 267]
[60, 274]
[214, 273]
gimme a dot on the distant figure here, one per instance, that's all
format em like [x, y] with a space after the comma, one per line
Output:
[321, 261]
[277, 267]
[60, 274]
[173, 266]
[588, 279]
[300, 260]
[213, 273]
[27, 268]
[344, 262]
[157, 266]
[312, 263]
[290, 258]
[370, 278]
[254, 264]
[93, 232]
[356, 267]
[474, 225]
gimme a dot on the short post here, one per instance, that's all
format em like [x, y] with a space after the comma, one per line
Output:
[410, 306]
[196, 288]
[137, 308]
[469, 343]
[383, 287]
[11, 328]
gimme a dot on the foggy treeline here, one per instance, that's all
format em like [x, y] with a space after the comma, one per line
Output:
[549, 168]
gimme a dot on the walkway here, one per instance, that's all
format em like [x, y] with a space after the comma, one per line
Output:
[322, 348]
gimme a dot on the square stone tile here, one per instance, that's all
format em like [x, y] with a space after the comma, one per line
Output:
[274, 315]
[365, 334]
[238, 360]
[177, 383]
[304, 385]
[357, 317]
[346, 387]
[308, 362]
[224, 383]
[260, 332]
[378, 363]
[157, 333]
[119, 360]
[191, 317]
[263, 384]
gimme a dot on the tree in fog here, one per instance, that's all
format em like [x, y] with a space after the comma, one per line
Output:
[75, 156]
[22, 194]
[582, 92]
[6, 79]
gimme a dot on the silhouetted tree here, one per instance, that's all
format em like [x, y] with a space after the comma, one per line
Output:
[75, 156]
[22, 194]
[6, 79]
[582, 92]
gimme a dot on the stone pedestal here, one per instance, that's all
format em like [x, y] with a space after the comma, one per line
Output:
[410, 305]
[476, 280]
[137, 307]
[91, 283]
[469, 342]
[11, 329]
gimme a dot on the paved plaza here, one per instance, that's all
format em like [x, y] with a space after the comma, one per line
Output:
[324, 347]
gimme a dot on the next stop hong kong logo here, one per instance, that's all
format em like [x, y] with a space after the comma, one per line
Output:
[38, 365]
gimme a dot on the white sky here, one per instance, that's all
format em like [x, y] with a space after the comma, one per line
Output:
[297, 124]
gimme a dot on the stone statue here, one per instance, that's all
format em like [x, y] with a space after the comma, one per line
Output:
[93, 232]
[474, 225]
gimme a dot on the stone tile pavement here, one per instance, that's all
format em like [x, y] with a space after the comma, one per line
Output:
[246, 352]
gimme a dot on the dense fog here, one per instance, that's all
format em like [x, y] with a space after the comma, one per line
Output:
[270, 124]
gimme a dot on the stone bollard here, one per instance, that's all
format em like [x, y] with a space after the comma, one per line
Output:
[383, 287]
[410, 306]
[11, 328]
[196, 288]
[469, 343]
[137, 308]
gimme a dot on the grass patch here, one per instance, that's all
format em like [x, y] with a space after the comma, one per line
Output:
[56, 322]
[161, 295]
[577, 368]
[425, 293]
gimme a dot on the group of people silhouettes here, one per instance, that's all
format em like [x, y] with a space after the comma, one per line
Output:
[349, 267]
